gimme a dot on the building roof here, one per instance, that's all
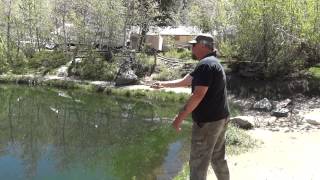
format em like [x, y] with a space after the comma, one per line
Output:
[180, 30]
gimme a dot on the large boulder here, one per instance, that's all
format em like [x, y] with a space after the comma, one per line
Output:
[126, 76]
[281, 109]
[263, 105]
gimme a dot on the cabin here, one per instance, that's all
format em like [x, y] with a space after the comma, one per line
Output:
[163, 39]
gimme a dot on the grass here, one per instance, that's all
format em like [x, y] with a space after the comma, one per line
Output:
[315, 71]
[179, 54]
[146, 94]
[237, 140]
[85, 86]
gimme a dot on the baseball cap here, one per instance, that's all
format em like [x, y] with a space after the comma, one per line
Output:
[202, 38]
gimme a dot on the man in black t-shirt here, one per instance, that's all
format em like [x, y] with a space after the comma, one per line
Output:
[209, 108]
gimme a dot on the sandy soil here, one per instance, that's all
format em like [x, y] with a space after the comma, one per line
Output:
[282, 156]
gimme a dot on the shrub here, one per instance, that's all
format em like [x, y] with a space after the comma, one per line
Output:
[144, 64]
[315, 71]
[94, 68]
[48, 59]
[167, 74]
[228, 49]
[179, 53]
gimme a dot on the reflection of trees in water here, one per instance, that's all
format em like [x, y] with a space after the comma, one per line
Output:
[85, 130]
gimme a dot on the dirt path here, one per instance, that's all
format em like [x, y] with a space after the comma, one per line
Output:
[282, 156]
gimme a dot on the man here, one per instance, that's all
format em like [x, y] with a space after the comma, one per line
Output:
[210, 111]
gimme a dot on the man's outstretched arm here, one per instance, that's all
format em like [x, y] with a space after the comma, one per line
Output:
[185, 81]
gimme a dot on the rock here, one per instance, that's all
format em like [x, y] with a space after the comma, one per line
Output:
[126, 78]
[126, 75]
[280, 112]
[313, 117]
[283, 103]
[244, 122]
[263, 105]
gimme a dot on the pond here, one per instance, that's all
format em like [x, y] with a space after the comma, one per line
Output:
[47, 133]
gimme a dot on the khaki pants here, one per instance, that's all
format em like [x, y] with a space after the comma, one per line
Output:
[208, 145]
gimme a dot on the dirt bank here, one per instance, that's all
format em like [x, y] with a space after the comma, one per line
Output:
[285, 156]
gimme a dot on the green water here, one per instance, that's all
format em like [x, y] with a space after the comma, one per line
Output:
[54, 134]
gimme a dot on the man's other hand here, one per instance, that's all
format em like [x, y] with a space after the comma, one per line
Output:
[156, 85]
[176, 123]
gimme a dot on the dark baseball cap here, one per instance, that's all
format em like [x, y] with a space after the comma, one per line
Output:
[203, 39]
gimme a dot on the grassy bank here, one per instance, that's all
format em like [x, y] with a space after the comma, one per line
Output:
[88, 86]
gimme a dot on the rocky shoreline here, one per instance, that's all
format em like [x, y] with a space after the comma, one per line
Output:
[300, 114]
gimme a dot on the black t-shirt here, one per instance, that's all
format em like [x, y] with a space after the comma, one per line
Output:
[214, 106]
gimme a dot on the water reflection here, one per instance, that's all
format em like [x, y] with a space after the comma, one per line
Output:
[48, 134]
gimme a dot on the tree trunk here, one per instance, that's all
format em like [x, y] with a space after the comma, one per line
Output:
[30, 24]
[64, 29]
[143, 35]
[18, 40]
[9, 58]
[128, 4]
[37, 26]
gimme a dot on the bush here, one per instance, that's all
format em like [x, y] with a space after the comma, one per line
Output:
[276, 39]
[144, 64]
[179, 53]
[94, 68]
[315, 71]
[228, 49]
[48, 59]
[167, 74]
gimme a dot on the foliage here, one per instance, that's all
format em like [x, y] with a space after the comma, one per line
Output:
[279, 29]
[315, 71]
[94, 68]
[3, 63]
[283, 35]
[167, 74]
[199, 17]
[48, 59]
[179, 53]
[144, 64]
[228, 49]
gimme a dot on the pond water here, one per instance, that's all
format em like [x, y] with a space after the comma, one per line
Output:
[53, 134]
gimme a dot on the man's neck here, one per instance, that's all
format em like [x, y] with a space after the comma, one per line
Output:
[210, 53]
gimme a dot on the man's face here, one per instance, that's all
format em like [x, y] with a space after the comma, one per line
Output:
[197, 51]
[194, 51]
